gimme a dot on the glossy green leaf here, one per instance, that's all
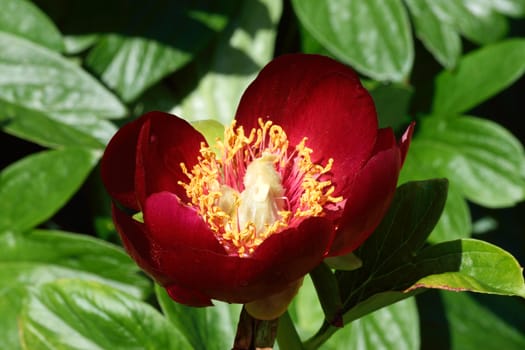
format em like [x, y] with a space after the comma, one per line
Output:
[477, 20]
[455, 222]
[34, 188]
[77, 252]
[79, 314]
[37, 78]
[509, 7]
[438, 36]
[243, 48]
[482, 160]
[479, 75]
[205, 328]
[373, 36]
[472, 265]
[154, 40]
[393, 327]
[39, 128]
[22, 18]
[29, 260]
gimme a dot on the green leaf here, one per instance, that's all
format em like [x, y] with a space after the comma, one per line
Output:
[154, 41]
[412, 216]
[327, 290]
[243, 48]
[205, 328]
[479, 76]
[455, 222]
[395, 264]
[29, 260]
[475, 19]
[76, 252]
[379, 282]
[34, 188]
[39, 128]
[438, 36]
[39, 79]
[373, 36]
[392, 327]
[509, 7]
[472, 321]
[480, 158]
[305, 310]
[22, 18]
[40, 89]
[210, 129]
[472, 265]
[74, 314]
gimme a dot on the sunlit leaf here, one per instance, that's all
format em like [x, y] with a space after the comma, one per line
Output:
[470, 265]
[482, 160]
[37, 78]
[243, 48]
[393, 327]
[373, 36]
[79, 314]
[29, 260]
[40, 128]
[479, 75]
[22, 18]
[205, 328]
[154, 39]
[477, 20]
[438, 36]
[34, 188]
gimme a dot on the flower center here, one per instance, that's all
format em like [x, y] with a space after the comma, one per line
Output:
[257, 185]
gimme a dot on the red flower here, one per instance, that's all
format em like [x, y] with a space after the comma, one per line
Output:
[305, 173]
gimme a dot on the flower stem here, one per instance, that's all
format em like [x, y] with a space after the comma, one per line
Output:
[254, 334]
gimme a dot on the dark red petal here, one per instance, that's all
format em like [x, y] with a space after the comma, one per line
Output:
[137, 242]
[165, 141]
[316, 97]
[370, 196]
[280, 261]
[172, 223]
[118, 164]
[188, 296]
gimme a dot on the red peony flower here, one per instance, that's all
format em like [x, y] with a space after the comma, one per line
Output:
[302, 174]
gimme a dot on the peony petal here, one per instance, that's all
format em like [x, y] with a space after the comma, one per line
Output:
[280, 262]
[165, 141]
[118, 164]
[137, 243]
[172, 223]
[370, 196]
[188, 297]
[316, 97]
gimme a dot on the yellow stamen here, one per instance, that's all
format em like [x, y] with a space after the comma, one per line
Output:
[254, 188]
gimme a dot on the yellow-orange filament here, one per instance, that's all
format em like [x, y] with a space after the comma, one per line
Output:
[242, 192]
